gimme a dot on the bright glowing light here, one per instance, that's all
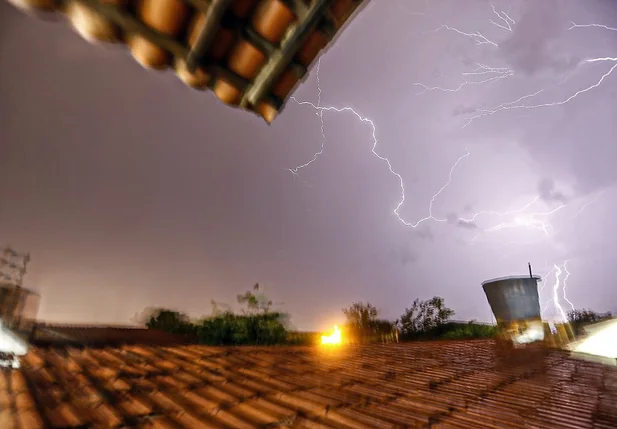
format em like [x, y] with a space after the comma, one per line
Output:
[535, 332]
[602, 343]
[11, 345]
[333, 339]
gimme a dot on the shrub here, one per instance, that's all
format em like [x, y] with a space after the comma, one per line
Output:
[233, 329]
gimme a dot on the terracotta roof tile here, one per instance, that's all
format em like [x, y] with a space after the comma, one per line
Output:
[251, 53]
[441, 384]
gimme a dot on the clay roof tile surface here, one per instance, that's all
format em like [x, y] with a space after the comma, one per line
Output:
[431, 384]
[250, 53]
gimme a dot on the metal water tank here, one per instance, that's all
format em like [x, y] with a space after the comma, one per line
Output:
[513, 298]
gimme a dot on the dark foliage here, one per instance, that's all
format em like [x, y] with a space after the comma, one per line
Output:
[256, 325]
[170, 321]
[233, 329]
[462, 331]
[360, 316]
[580, 318]
[364, 326]
[424, 318]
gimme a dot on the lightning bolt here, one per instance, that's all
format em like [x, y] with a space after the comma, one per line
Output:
[533, 220]
[514, 106]
[558, 273]
[492, 74]
[319, 109]
[555, 290]
[587, 204]
[319, 112]
[481, 75]
[475, 37]
[565, 284]
[486, 73]
[496, 74]
[506, 21]
[575, 25]
[517, 104]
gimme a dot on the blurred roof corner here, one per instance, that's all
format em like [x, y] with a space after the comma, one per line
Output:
[251, 54]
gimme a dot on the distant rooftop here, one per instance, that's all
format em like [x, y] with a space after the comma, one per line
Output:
[45, 334]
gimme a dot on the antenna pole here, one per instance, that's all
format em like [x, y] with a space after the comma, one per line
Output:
[530, 274]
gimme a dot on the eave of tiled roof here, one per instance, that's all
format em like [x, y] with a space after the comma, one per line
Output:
[432, 384]
[250, 53]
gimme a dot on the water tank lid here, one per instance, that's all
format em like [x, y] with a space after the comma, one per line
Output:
[500, 279]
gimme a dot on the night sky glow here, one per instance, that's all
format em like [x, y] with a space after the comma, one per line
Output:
[436, 145]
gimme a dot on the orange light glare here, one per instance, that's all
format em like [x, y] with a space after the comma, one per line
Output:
[333, 339]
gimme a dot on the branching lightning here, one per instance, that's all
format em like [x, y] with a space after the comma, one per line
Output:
[476, 36]
[517, 104]
[513, 105]
[587, 204]
[506, 21]
[555, 289]
[492, 74]
[606, 27]
[565, 284]
[319, 112]
[533, 220]
[486, 74]
[489, 75]
[483, 74]
[321, 109]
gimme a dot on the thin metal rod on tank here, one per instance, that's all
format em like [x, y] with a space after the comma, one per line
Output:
[530, 274]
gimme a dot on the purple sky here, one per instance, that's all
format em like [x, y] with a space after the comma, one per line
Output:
[131, 190]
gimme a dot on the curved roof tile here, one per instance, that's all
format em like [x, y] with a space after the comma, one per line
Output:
[455, 384]
[250, 53]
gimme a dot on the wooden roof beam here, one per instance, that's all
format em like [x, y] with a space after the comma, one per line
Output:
[214, 15]
[280, 59]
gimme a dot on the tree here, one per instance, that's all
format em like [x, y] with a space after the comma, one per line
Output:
[385, 331]
[361, 316]
[580, 318]
[424, 316]
[169, 321]
[255, 300]
[361, 322]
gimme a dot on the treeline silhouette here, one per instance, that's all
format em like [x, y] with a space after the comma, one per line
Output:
[258, 324]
